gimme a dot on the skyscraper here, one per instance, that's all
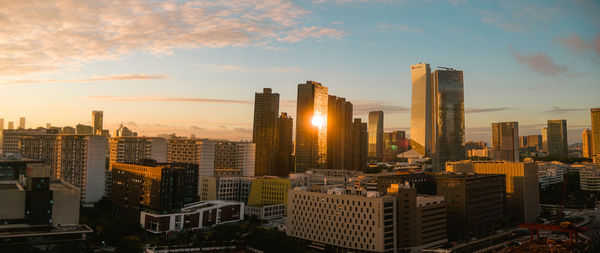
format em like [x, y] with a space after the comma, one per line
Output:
[311, 126]
[339, 133]
[97, 119]
[421, 115]
[587, 140]
[557, 138]
[285, 147]
[11, 125]
[22, 123]
[376, 134]
[360, 147]
[264, 131]
[595, 131]
[505, 141]
[1, 124]
[545, 140]
[449, 115]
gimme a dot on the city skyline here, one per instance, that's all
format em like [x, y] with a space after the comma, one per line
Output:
[206, 87]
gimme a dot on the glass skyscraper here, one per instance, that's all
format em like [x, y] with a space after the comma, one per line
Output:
[505, 141]
[557, 138]
[450, 115]
[421, 115]
[311, 127]
[376, 134]
[264, 131]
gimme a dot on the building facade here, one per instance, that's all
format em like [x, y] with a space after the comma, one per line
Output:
[10, 138]
[376, 135]
[97, 120]
[551, 173]
[595, 118]
[587, 140]
[360, 146]
[505, 141]
[284, 163]
[311, 127]
[265, 131]
[193, 216]
[421, 116]
[394, 143]
[339, 133]
[557, 138]
[449, 116]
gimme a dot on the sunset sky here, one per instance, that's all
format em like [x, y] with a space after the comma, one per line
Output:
[193, 67]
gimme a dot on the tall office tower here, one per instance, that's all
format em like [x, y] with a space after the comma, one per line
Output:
[285, 129]
[545, 140]
[595, 131]
[97, 118]
[557, 138]
[449, 115]
[311, 127]
[11, 125]
[339, 134]
[78, 159]
[422, 126]
[535, 141]
[522, 187]
[394, 143]
[22, 123]
[505, 141]
[587, 147]
[84, 129]
[264, 131]
[1, 124]
[376, 135]
[360, 146]
[158, 187]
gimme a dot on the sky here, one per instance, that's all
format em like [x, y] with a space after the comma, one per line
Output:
[192, 67]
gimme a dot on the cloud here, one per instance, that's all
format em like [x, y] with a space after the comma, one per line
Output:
[283, 69]
[577, 44]
[55, 35]
[399, 28]
[224, 68]
[312, 32]
[242, 130]
[364, 107]
[165, 99]
[480, 110]
[558, 110]
[197, 128]
[131, 123]
[541, 63]
[519, 16]
[123, 77]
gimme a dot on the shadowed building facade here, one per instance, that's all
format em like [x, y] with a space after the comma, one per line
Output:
[264, 131]
[285, 147]
[505, 141]
[449, 115]
[339, 133]
[557, 138]
[595, 113]
[376, 134]
[360, 146]
[311, 127]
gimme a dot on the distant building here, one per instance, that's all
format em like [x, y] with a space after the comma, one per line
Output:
[587, 149]
[123, 131]
[448, 116]
[285, 147]
[68, 130]
[474, 203]
[311, 127]
[557, 138]
[360, 145]
[11, 125]
[339, 133]
[522, 187]
[199, 215]
[545, 139]
[10, 138]
[376, 135]
[551, 173]
[22, 123]
[595, 118]
[161, 188]
[535, 141]
[485, 152]
[265, 133]
[84, 129]
[394, 143]
[97, 119]
[505, 141]
[77, 159]
[589, 178]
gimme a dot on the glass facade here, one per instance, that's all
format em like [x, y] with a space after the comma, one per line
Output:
[421, 116]
[376, 134]
[264, 132]
[505, 141]
[311, 126]
[557, 138]
[450, 113]
[595, 131]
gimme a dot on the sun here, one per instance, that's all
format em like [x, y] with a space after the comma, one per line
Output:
[318, 121]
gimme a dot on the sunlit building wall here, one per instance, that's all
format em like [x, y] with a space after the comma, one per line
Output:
[97, 118]
[587, 144]
[376, 134]
[311, 127]
[557, 138]
[505, 141]
[421, 116]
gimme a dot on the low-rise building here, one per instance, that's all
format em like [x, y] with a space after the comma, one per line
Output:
[199, 215]
[266, 212]
[589, 178]
[551, 173]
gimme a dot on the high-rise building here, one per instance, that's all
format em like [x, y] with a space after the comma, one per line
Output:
[557, 138]
[505, 141]
[1, 124]
[11, 125]
[311, 127]
[522, 187]
[376, 135]
[545, 139]
[285, 147]
[10, 138]
[339, 133]
[157, 187]
[264, 131]
[595, 113]
[84, 129]
[22, 123]
[195, 151]
[587, 149]
[535, 141]
[475, 203]
[449, 115]
[360, 146]
[522, 141]
[394, 143]
[97, 118]
[78, 159]
[421, 116]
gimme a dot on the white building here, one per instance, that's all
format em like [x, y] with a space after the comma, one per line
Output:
[551, 173]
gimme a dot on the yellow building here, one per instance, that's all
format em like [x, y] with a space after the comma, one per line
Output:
[522, 193]
[268, 191]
